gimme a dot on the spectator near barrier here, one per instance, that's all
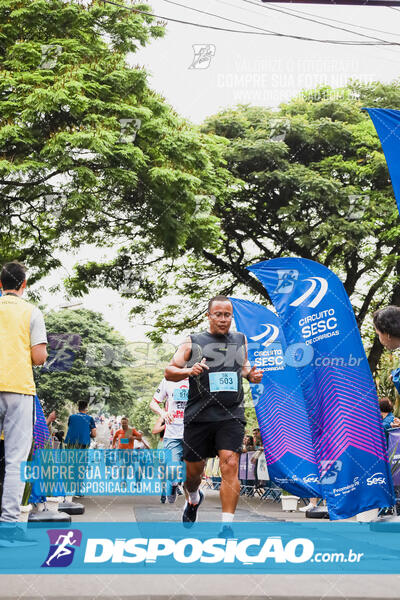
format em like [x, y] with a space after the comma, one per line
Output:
[258, 445]
[394, 457]
[389, 421]
[248, 443]
[387, 327]
[388, 418]
[22, 344]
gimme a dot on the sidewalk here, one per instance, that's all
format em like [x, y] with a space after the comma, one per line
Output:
[178, 587]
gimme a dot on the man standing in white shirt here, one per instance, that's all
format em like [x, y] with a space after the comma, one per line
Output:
[174, 396]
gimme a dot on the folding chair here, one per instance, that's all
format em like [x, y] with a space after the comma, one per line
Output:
[271, 490]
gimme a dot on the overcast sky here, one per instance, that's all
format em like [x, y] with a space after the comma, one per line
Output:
[225, 69]
[262, 69]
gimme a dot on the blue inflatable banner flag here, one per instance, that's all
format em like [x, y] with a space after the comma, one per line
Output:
[41, 433]
[279, 400]
[337, 384]
[387, 125]
[41, 437]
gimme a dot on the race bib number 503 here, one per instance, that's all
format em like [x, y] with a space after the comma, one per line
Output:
[223, 382]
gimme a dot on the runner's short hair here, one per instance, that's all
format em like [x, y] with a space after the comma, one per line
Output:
[13, 275]
[219, 298]
[387, 320]
[82, 405]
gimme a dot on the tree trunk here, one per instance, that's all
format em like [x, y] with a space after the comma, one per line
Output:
[375, 354]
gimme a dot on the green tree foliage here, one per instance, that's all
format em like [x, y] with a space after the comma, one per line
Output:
[383, 380]
[249, 411]
[314, 184]
[88, 152]
[144, 380]
[88, 361]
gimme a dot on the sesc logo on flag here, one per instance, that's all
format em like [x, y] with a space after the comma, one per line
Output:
[317, 299]
[336, 384]
[271, 330]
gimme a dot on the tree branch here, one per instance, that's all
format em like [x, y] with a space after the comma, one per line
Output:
[371, 292]
[242, 274]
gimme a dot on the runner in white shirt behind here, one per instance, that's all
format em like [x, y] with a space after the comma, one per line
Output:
[174, 396]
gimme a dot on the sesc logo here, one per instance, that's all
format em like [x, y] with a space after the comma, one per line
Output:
[271, 330]
[62, 550]
[376, 479]
[314, 281]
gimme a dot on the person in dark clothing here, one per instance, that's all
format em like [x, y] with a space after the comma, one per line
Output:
[215, 362]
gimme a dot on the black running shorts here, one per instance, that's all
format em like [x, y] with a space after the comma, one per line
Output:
[202, 440]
